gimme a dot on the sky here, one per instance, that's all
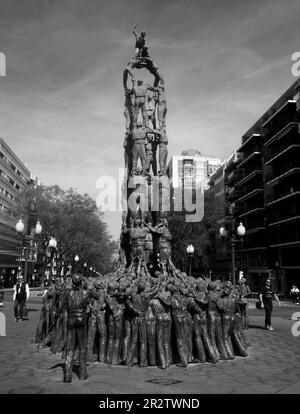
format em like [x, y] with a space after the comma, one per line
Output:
[224, 62]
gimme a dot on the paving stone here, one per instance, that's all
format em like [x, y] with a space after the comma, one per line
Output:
[273, 366]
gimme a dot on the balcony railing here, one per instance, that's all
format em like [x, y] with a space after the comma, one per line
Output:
[276, 198]
[282, 168]
[248, 194]
[281, 219]
[289, 208]
[288, 234]
[283, 152]
[247, 211]
[233, 194]
[281, 135]
[286, 113]
[252, 140]
[252, 174]
[283, 176]
[248, 157]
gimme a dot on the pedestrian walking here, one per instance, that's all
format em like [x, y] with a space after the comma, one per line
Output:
[21, 294]
[295, 293]
[266, 297]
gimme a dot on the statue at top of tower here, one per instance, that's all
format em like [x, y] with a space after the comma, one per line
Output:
[141, 59]
[139, 42]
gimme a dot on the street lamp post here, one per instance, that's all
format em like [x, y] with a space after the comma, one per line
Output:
[52, 246]
[69, 272]
[240, 231]
[76, 259]
[190, 251]
[27, 238]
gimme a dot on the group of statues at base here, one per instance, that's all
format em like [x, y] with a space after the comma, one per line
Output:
[151, 319]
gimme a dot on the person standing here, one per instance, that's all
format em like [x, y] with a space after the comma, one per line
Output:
[1, 291]
[295, 294]
[266, 296]
[20, 295]
[244, 292]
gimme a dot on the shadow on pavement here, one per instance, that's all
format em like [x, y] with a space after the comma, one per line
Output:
[61, 365]
[256, 327]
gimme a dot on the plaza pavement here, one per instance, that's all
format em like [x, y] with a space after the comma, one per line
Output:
[273, 365]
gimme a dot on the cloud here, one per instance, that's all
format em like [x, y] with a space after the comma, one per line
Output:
[62, 99]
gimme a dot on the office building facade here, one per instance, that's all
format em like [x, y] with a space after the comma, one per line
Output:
[262, 190]
[14, 178]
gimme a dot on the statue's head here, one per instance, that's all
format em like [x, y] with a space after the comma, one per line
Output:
[212, 286]
[227, 288]
[111, 287]
[201, 286]
[77, 280]
[141, 285]
[137, 222]
[157, 274]
[98, 284]
[143, 34]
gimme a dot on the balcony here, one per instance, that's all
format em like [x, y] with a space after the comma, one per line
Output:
[254, 164]
[246, 212]
[283, 152]
[285, 235]
[252, 140]
[249, 194]
[256, 229]
[277, 198]
[281, 168]
[278, 120]
[284, 176]
[230, 177]
[233, 194]
[253, 222]
[251, 185]
[250, 176]
[290, 185]
[248, 157]
[289, 209]
[281, 222]
[291, 127]
[255, 240]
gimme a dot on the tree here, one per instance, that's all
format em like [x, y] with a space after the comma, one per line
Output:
[199, 234]
[74, 220]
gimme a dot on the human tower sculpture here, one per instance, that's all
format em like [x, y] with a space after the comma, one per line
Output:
[146, 312]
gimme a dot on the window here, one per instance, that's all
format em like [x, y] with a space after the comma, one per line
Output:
[188, 182]
[188, 167]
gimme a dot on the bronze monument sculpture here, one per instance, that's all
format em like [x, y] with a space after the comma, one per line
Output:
[146, 312]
